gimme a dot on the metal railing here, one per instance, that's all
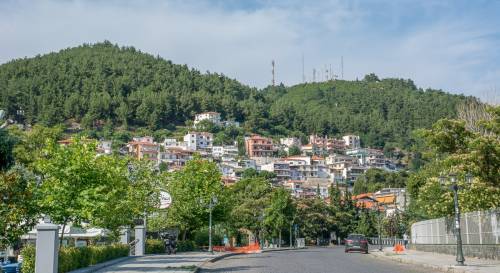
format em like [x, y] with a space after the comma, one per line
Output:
[132, 247]
[385, 241]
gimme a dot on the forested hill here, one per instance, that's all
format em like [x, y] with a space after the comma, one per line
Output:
[105, 83]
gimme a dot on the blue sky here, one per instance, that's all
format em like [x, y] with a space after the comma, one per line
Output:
[449, 45]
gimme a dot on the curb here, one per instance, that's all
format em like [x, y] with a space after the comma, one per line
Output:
[223, 256]
[430, 266]
[215, 259]
[99, 266]
[281, 249]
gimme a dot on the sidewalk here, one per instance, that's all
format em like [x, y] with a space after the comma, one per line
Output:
[179, 263]
[439, 261]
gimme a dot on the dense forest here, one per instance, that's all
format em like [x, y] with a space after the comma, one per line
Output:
[104, 84]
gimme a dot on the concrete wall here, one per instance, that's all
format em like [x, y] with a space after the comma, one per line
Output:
[479, 251]
[480, 232]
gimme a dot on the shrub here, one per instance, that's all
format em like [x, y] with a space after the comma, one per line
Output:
[71, 258]
[187, 245]
[154, 246]
[28, 264]
[201, 238]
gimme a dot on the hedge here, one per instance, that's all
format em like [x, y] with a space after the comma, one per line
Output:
[187, 245]
[71, 258]
[154, 246]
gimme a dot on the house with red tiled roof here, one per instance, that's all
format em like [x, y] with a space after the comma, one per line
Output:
[144, 148]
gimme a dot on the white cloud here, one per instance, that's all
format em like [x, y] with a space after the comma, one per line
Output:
[242, 42]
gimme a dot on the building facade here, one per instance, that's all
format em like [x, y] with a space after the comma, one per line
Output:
[258, 146]
[198, 140]
[213, 117]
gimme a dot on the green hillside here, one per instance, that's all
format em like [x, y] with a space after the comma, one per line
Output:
[123, 87]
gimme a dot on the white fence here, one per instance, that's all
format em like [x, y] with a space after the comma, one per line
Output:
[477, 228]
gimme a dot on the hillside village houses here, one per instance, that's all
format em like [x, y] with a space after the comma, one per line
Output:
[214, 118]
[324, 161]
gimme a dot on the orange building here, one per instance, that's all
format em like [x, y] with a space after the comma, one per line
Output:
[144, 148]
[258, 146]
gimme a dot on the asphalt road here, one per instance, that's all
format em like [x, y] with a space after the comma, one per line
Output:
[311, 260]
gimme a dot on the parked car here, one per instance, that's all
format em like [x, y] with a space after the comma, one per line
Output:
[356, 242]
[7, 267]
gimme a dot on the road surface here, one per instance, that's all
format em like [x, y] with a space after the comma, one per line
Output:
[311, 260]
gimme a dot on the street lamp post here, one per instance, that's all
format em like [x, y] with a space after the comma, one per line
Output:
[211, 204]
[379, 216]
[454, 187]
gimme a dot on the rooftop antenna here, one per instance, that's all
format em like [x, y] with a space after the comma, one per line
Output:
[303, 73]
[273, 64]
[342, 66]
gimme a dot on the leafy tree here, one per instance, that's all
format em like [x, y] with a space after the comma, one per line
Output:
[371, 78]
[78, 186]
[367, 223]
[316, 219]
[30, 145]
[18, 207]
[191, 189]
[129, 190]
[456, 149]
[249, 198]
[7, 143]
[280, 212]
[294, 150]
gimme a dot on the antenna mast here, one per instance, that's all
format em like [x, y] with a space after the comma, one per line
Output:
[272, 64]
[342, 66]
[303, 72]
[314, 74]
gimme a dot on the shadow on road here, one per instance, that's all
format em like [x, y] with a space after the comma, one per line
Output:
[231, 269]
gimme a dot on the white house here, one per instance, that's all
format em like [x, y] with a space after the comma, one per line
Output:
[226, 152]
[213, 117]
[104, 147]
[290, 141]
[198, 140]
[352, 141]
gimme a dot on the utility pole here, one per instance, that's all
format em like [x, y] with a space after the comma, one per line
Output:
[273, 69]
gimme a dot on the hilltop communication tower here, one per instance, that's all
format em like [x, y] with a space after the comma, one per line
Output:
[303, 72]
[342, 67]
[272, 65]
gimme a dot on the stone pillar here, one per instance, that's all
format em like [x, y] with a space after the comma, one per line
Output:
[140, 235]
[47, 248]
[125, 236]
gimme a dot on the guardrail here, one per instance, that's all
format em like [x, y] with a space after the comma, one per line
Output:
[385, 241]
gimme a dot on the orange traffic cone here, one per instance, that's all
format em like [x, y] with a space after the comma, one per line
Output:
[398, 248]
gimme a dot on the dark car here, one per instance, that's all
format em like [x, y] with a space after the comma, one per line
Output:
[356, 242]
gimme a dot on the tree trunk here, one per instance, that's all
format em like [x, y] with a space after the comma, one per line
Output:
[62, 233]
[279, 239]
[184, 234]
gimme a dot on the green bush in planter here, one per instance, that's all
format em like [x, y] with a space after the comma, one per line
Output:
[154, 246]
[71, 258]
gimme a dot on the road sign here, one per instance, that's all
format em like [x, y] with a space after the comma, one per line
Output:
[165, 200]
